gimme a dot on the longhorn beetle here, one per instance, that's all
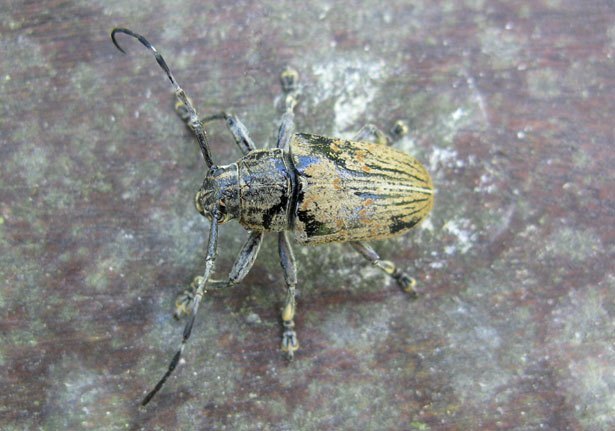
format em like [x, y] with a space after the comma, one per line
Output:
[321, 189]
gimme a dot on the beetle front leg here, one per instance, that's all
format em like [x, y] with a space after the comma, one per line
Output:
[243, 263]
[183, 302]
[404, 281]
[287, 259]
[236, 127]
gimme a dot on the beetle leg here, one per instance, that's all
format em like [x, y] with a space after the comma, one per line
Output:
[243, 263]
[184, 300]
[372, 133]
[288, 79]
[245, 258]
[399, 129]
[236, 127]
[287, 259]
[404, 281]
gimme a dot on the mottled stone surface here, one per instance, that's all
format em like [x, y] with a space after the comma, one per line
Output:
[510, 105]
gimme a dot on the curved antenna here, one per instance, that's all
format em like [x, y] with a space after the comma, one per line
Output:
[193, 122]
[212, 250]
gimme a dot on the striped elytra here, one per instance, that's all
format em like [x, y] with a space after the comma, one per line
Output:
[356, 191]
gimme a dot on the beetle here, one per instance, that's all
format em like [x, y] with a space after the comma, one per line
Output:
[321, 189]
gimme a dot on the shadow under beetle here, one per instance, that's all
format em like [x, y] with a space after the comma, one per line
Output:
[321, 189]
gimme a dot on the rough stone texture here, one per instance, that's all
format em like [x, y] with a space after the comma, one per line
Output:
[511, 107]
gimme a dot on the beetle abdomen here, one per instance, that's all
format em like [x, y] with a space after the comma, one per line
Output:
[355, 191]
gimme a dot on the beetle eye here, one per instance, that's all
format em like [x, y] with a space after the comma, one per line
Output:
[222, 208]
[198, 203]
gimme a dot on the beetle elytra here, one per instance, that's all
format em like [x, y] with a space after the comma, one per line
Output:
[320, 189]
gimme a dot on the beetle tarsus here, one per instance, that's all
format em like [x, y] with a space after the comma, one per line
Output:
[289, 78]
[182, 304]
[406, 283]
[290, 344]
[399, 129]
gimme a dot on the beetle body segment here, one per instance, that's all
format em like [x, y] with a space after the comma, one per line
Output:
[356, 191]
[266, 184]
[323, 189]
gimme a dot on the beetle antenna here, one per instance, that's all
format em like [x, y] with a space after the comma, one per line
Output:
[193, 119]
[212, 250]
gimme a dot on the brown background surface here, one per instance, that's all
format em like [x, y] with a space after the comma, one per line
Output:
[510, 105]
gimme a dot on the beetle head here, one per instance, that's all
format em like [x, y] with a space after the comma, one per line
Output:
[220, 190]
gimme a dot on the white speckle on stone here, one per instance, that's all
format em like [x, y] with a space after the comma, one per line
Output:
[437, 265]
[485, 184]
[442, 156]
[427, 225]
[458, 114]
[353, 85]
[462, 229]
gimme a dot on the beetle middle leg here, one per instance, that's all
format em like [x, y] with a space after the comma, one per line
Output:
[288, 79]
[404, 281]
[372, 133]
[287, 260]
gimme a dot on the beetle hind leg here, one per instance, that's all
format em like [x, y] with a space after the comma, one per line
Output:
[289, 337]
[406, 282]
[372, 133]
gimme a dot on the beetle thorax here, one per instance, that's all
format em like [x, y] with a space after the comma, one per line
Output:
[220, 190]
